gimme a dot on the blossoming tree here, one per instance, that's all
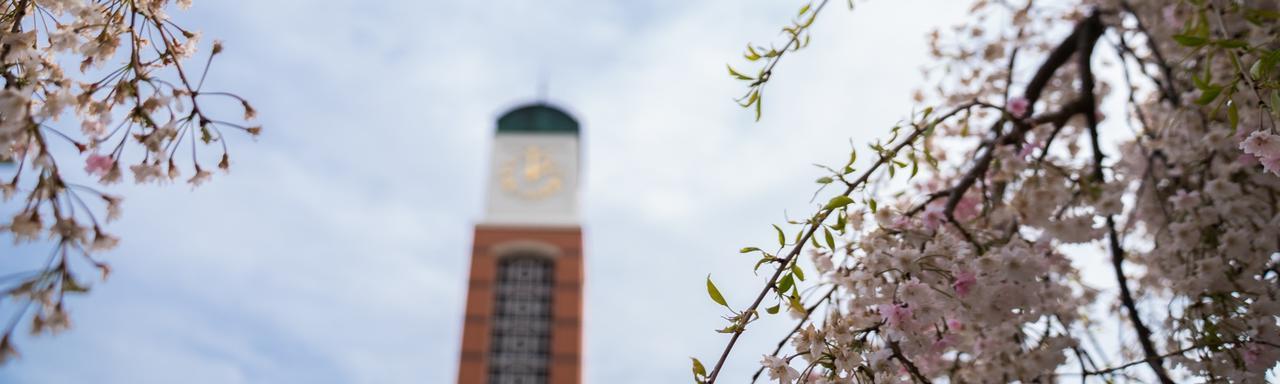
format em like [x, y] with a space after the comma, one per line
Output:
[129, 99]
[953, 252]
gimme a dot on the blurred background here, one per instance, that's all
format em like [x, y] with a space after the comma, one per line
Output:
[337, 249]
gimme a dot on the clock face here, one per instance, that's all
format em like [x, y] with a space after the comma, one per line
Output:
[531, 175]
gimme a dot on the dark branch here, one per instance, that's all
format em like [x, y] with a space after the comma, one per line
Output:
[1117, 253]
[1168, 89]
[1088, 30]
[911, 367]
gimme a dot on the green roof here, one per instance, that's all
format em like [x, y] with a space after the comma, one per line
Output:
[537, 118]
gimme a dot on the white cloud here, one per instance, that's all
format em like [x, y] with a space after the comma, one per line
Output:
[337, 249]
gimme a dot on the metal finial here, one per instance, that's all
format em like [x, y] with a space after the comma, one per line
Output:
[542, 86]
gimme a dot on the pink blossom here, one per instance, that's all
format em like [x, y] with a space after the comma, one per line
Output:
[968, 207]
[1266, 148]
[1017, 107]
[1271, 164]
[954, 324]
[1171, 18]
[933, 216]
[93, 127]
[1262, 145]
[1184, 200]
[98, 164]
[894, 315]
[901, 222]
[964, 282]
[1251, 354]
[1028, 149]
[943, 342]
[1247, 160]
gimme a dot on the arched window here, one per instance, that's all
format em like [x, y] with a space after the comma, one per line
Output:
[521, 340]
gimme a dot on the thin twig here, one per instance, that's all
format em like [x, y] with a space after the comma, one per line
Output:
[821, 217]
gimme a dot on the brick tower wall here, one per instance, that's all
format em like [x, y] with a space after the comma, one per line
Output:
[564, 247]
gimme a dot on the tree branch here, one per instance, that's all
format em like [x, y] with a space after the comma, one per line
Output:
[1088, 30]
[1117, 253]
[911, 367]
[885, 158]
[1169, 90]
[799, 324]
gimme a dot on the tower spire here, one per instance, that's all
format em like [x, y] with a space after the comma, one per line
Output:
[542, 86]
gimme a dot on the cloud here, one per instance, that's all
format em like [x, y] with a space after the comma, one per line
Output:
[336, 250]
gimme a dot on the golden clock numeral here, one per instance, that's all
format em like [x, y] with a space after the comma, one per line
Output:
[538, 177]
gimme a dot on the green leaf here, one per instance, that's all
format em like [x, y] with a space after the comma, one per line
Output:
[785, 282]
[804, 9]
[1209, 94]
[1275, 104]
[872, 203]
[751, 98]
[782, 238]
[1262, 68]
[751, 53]
[824, 180]
[767, 258]
[1232, 43]
[774, 309]
[915, 168]
[759, 101]
[837, 202]
[1190, 41]
[698, 369]
[1260, 16]
[715, 293]
[749, 250]
[1199, 82]
[831, 241]
[794, 300]
[1256, 71]
[795, 269]
[737, 75]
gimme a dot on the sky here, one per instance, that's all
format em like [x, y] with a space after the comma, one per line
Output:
[336, 251]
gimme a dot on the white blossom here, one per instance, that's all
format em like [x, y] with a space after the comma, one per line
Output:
[779, 369]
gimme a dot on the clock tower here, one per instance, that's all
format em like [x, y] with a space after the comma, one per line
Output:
[523, 320]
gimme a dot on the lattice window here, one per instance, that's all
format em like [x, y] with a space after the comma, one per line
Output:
[521, 340]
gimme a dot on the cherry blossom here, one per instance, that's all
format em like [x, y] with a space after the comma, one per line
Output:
[130, 102]
[964, 282]
[99, 165]
[779, 369]
[971, 271]
[1018, 107]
